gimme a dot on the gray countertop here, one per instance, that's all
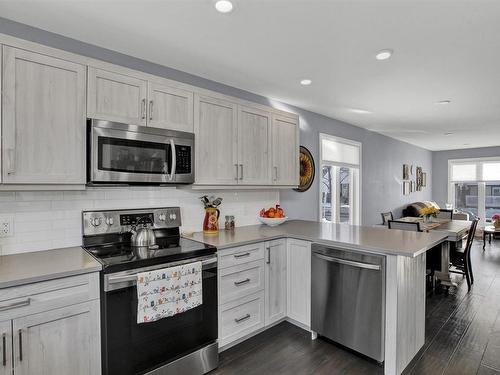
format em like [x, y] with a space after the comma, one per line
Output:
[361, 238]
[25, 268]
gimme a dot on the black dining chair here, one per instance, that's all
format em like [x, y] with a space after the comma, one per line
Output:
[404, 225]
[445, 214]
[386, 216]
[431, 264]
[460, 259]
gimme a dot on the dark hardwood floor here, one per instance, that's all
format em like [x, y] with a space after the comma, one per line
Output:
[462, 336]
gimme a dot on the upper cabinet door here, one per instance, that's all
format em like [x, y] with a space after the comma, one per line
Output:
[43, 119]
[285, 169]
[116, 97]
[254, 141]
[215, 129]
[170, 108]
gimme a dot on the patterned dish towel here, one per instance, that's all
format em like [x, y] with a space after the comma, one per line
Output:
[169, 291]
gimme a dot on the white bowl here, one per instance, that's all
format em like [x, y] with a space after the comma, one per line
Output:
[272, 221]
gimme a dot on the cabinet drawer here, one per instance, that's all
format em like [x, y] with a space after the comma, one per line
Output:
[241, 255]
[239, 281]
[48, 295]
[241, 317]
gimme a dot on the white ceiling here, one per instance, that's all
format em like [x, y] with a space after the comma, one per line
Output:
[443, 50]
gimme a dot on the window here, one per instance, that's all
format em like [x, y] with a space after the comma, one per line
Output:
[474, 186]
[340, 180]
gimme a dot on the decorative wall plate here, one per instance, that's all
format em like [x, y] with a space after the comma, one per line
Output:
[307, 170]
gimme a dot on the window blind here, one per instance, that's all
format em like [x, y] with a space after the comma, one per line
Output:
[339, 152]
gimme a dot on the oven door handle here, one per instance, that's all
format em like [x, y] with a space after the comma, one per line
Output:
[174, 159]
[132, 278]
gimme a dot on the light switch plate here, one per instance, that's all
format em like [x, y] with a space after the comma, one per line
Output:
[6, 226]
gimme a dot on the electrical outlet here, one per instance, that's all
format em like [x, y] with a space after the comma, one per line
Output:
[6, 226]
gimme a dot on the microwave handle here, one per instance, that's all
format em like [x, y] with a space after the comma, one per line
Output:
[174, 159]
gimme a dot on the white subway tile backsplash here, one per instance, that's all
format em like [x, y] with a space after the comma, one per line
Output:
[52, 219]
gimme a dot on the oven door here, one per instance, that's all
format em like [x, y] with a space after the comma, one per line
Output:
[131, 154]
[131, 348]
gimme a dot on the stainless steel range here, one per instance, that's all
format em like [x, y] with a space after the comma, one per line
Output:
[127, 242]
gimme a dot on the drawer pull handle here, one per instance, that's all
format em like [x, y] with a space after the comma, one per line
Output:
[242, 319]
[238, 283]
[14, 305]
[20, 345]
[4, 350]
[242, 255]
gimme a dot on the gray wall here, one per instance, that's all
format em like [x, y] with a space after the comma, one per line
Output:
[382, 159]
[440, 167]
[382, 156]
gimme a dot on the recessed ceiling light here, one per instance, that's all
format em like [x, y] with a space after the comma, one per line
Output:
[444, 102]
[384, 54]
[361, 111]
[305, 82]
[448, 133]
[224, 6]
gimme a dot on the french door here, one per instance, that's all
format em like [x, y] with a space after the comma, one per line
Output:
[339, 194]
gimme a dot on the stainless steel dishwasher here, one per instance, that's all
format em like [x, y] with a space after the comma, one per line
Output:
[348, 299]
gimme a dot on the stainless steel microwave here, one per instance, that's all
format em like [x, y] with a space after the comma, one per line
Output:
[129, 154]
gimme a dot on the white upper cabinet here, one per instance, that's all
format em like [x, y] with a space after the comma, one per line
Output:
[285, 150]
[43, 119]
[215, 129]
[254, 144]
[116, 97]
[170, 108]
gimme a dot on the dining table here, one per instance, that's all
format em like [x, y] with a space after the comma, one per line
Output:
[456, 231]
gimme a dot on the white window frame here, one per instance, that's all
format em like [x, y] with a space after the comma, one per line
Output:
[481, 184]
[354, 183]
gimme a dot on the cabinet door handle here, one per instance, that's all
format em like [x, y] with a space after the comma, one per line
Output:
[237, 175]
[243, 318]
[20, 345]
[242, 282]
[268, 261]
[12, 161]
[150, 110]
[275, 173]
[143, 109]
[241, 169]
[241, 255]
[14, 305]
[4, 350]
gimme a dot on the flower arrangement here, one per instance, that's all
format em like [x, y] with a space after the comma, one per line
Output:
[427, 212]
[496, 220]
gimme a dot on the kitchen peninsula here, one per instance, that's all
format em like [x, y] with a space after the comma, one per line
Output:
[275, 264]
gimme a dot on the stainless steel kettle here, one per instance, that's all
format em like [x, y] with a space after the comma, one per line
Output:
[143, 234]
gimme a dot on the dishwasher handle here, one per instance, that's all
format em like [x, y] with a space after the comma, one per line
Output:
[347, 262]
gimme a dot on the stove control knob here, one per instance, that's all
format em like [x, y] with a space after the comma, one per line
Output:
[96, 221]
[162, 217]
[173, 216]
[109, 221]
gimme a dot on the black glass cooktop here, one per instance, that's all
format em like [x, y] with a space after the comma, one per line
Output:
[120, 256]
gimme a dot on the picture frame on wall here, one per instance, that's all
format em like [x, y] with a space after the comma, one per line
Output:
[406, 187]
[424, 179]
[406, 172]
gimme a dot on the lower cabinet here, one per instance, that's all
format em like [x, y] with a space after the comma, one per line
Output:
[275, 281]
[6, 348]
[254, 287]
[42, 336]
[60, 341]
[298, 274]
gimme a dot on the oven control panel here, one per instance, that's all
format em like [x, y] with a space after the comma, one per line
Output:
[119, 221]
